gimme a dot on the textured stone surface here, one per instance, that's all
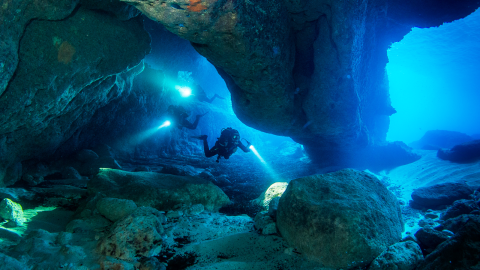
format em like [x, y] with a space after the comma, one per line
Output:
[11, 211]
[312, 70]
[458, 208]
[462, 251]
[11, 263]
[273, 191]
[341, 219]
[436, 139]
[400, 256]
[430, 238]
[115, 209]
[161, 191]
[462, 153]
[139, 234]
[66, 70]
[440, 195]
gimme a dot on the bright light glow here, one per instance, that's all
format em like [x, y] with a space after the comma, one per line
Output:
[185, 91]
[256, 153]
[165, 124]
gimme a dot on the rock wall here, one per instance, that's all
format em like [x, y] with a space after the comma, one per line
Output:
[130, 123]
[311, 70]
[58, 68]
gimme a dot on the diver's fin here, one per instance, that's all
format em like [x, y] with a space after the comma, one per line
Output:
[219, 96]
[201, 137]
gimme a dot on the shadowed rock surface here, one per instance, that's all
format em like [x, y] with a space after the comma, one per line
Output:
[341, 219]
[462, 251]
[462, 153]
[67, 69]
[440, 195]
[161, 191]
[310, 70]
[436, 139]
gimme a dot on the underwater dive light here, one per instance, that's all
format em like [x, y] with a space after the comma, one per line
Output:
[185, 91]
[165, 124]
[256, 153]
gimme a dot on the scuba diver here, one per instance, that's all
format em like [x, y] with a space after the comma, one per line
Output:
[226, 145]
[179, 115]
[200, 94]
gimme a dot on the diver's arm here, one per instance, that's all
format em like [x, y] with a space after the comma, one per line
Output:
[243, 147]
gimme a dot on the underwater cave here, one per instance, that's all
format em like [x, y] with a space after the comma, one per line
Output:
[224, 134]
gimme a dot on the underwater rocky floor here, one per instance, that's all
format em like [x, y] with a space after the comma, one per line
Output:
[229, 216]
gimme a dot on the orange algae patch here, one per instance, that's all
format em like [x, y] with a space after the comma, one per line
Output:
[196, 6]
[65, 52]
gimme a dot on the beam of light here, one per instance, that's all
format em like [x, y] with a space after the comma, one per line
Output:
[185, 91]
[165, 124]
[257, 154]
[267, 167]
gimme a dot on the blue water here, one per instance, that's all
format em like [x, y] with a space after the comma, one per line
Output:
[434, 79]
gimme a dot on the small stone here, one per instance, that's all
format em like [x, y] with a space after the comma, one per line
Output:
[174, 214]
[194, 210]
[12, 211]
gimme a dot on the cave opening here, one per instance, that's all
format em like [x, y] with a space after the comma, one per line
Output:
[433, 75]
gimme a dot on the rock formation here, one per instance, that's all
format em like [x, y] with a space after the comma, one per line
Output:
[311, 70]
[57, 68]
[341, 220]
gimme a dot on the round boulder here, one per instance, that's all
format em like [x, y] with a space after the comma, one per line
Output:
[343, 219]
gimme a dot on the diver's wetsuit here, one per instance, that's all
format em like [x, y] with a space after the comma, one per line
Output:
[202, 96]
[221, 151]
[206, 99]
[189, 125]
[179, 115]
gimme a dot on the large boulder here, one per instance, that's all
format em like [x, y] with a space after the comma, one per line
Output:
[462, 251]
[437, 139]
[342, 219]
[161, 191]
[462, 153]
[440, 195]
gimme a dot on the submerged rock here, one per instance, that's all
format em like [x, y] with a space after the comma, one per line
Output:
[455, 224]
[274, 190]
[400, 256]
[440, 195]
[430, 238]
[186, 170]
[70, 173]
[462, 251]
[343, 219]
[139, 234]
[115, 209]
[462, 153]
[436, 139]
[9, 263]
[460, 207]
[161, 191]
[12, 211]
